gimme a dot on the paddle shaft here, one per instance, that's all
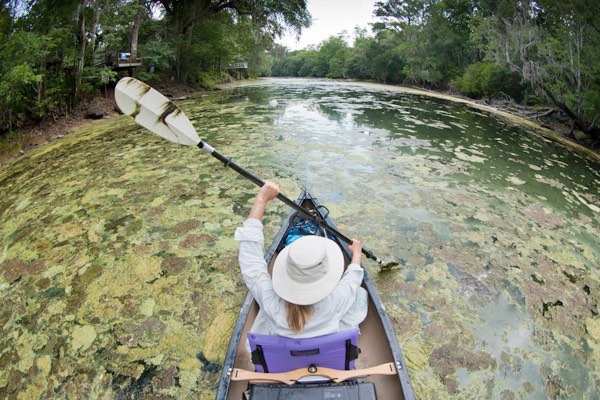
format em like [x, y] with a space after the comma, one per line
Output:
[228, 162]
[158, 114]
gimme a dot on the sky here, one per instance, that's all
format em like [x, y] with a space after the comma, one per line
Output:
[330, 17]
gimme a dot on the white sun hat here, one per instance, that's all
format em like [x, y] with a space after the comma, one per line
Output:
[307, 271]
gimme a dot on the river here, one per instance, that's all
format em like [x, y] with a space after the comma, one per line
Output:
[118, 270]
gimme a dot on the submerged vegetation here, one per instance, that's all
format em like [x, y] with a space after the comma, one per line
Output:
[119, 275]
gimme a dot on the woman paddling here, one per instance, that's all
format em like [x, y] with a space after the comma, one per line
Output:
[309, 294]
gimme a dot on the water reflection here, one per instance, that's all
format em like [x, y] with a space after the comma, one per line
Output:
[495, 153]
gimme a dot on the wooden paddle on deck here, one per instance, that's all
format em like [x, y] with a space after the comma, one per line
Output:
[159, 115]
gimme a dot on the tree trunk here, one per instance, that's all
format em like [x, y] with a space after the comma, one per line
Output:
[186, 55]
[579, 121]
[184, 16]
[81, 42]
[97, 13]
[186, 40]
[136, 30]
[177, 66]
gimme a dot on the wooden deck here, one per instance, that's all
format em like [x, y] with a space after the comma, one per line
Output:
[123, 60]
[238, 65]
[117, 60]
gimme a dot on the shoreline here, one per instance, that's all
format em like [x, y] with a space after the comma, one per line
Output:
[47, 132]
[547, 133]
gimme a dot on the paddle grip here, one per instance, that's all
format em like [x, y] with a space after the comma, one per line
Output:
[228, 162]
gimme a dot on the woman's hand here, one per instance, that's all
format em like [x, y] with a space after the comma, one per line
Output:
[267, 192]
[356, 249]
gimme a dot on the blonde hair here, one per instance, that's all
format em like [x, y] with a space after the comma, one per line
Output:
[297, 315]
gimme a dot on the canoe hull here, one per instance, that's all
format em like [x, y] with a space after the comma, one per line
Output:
[378, 342]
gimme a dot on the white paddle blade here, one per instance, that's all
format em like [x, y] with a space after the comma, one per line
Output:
[152, 110]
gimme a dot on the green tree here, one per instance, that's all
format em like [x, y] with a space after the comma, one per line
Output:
[433, 37]
[386, 58]
[486, 79]
[270, 17]
[332, 57]
[329, 59]
[396, 15]
[19, 89]
[359, 62]
[27, 72]
[554, 46]
[309, 60]
[5, 20]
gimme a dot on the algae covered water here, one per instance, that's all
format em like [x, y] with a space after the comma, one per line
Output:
[118, 271]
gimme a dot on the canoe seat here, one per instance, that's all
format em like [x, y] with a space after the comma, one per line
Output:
[272, 353]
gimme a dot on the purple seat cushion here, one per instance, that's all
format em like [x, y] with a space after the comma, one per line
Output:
[281, 354]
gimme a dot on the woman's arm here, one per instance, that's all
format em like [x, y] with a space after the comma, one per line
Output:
[344, 295]
[267, 193]
[251, 254]
[356, 249]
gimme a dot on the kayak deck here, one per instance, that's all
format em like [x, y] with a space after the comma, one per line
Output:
[377, 340]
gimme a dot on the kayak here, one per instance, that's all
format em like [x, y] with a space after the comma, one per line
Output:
[379, 372]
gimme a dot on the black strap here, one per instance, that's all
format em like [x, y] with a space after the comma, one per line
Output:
[258, 358]
[352, 353]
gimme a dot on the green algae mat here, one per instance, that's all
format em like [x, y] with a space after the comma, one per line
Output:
[118, 268]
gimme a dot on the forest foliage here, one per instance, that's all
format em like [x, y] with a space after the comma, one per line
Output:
[53, 54]
[540, 52]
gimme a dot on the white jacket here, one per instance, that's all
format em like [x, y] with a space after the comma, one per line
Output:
[344, 308]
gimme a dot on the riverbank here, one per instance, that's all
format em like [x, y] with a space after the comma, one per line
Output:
[548, 124]
[29, 138]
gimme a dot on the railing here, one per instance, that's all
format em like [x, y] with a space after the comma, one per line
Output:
[238, 65]
[114, 59]
[123, 59]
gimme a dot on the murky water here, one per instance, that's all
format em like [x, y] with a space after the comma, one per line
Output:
[118, 271]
